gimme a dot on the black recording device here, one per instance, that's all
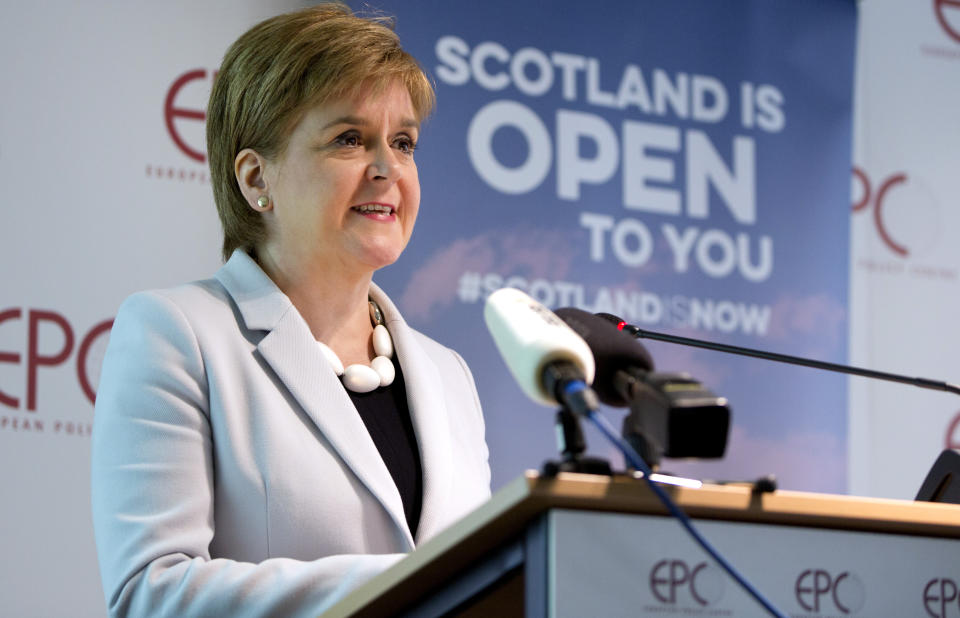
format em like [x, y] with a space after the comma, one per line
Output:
[671, 414]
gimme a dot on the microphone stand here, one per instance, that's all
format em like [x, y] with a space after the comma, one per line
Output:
[936, 385]
[572, 445]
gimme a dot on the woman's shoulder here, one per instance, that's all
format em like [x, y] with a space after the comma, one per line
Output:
[237, 282]
[189, 300]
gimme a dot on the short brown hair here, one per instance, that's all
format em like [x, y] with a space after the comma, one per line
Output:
[273, 73]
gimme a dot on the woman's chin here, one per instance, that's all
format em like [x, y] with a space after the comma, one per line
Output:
[379, 256]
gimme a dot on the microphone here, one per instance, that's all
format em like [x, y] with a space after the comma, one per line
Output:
[550, 362]
[671, 414]
[639, 333]
[621, 363]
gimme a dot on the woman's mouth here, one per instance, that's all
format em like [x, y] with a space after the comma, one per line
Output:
[380, 212]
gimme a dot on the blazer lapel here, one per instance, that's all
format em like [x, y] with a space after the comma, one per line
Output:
[428, 411]
[290, 350]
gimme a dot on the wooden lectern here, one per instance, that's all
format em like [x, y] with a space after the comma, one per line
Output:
[582, 545]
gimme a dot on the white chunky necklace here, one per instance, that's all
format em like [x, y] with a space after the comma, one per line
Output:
[381, 372]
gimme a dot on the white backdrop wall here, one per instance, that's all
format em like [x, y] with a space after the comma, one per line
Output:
[100, 200]
[905, 254]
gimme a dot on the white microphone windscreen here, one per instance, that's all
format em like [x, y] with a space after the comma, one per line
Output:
[529, 337]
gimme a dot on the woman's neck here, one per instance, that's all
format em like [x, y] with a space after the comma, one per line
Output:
[332, 299]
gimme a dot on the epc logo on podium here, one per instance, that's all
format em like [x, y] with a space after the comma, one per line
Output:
[817, 589]
[673, 581]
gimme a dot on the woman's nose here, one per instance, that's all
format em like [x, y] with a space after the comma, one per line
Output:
[383, 165]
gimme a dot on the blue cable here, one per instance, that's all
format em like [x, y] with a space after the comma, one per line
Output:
[577, 387]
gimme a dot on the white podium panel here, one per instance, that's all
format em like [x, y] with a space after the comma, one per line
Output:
[612, 564]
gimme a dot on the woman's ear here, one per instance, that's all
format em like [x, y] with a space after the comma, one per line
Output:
[249, 167]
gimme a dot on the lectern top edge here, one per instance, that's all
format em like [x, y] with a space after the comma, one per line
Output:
[520, 502]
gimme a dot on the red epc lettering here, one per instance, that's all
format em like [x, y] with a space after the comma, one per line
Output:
[170, 112]
[35, 359]
[9, 357]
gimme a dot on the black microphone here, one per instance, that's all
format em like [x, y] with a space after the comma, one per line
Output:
[671, 414]
[640, 333]
[620, 361]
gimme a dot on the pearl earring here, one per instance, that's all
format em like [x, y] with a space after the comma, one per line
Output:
[263, 201]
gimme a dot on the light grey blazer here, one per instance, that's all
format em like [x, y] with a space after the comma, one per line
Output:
[231, 473]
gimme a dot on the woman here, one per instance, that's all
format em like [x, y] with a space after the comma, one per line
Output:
[234, 471]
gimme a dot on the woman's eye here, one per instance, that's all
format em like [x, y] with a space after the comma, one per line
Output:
[405, 145]
[348, 139]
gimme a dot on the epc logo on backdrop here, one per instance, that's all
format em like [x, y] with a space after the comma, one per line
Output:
[875, 199]
[945, 10]
[171, 112]
[50, 341]
[184, 114]
[818, 590]
[947, 15]
[907, 218]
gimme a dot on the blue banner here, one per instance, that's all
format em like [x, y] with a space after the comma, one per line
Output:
[684, 165]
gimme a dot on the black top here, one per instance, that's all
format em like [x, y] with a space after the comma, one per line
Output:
[385, 413]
